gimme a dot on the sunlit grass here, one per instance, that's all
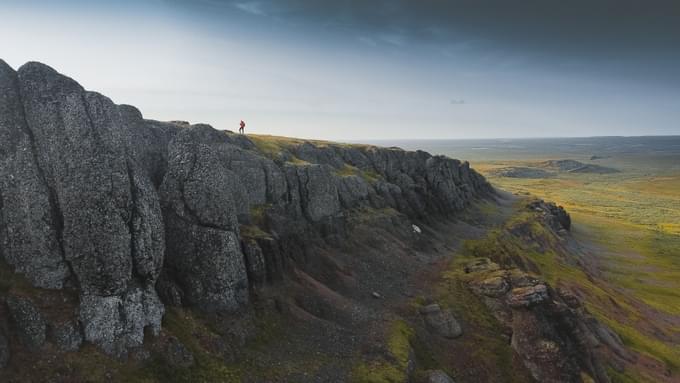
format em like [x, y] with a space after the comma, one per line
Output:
[393, 369]
[632, 222]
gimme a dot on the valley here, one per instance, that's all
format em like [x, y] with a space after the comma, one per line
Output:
[627, 224]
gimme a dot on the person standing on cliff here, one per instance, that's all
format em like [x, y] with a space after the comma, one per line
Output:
[241, 127]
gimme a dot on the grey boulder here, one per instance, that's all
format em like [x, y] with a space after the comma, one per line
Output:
[439, 376]
[441, 322]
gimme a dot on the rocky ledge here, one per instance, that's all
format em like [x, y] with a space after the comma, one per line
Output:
[115, 216]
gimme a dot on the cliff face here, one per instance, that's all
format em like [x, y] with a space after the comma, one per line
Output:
[121, 216]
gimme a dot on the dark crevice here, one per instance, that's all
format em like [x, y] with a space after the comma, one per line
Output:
[2, 227]
[304, 195]
[90, 120]
[269, 198]
[246, 263]
[131, 219]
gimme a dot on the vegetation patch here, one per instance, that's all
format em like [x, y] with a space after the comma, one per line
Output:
[524, 242]
[368, 214]
[481, 342]
[369, 176]
[258, 214]
[393, 368]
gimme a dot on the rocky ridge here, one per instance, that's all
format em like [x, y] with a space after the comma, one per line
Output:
[549, 328]
[118, 216]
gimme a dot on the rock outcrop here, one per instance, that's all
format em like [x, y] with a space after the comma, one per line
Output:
[439, 376]
[556, 337]
[440, 321]
[549, 336]
[129, 215]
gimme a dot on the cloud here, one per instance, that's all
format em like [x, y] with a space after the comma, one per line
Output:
[392, 38]
[367, 40]
[576, 27]
[252, 7]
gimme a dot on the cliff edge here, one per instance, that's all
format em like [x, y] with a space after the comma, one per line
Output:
[122, 216]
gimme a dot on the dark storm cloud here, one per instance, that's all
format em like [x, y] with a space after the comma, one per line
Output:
[599, 28]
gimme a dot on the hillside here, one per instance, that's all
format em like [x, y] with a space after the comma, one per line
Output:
[139, 250]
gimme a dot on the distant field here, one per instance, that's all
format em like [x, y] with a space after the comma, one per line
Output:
[645, 192]
[629, 221]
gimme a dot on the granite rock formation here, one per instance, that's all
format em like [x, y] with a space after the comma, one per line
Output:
[130, 215]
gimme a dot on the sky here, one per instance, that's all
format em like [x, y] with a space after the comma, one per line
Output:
[369, 69]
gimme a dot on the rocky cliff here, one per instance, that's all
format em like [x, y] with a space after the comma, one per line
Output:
[114, 218]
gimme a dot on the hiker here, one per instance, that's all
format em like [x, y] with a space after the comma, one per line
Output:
[243, 125]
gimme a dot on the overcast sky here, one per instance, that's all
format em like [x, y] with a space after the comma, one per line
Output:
[366, 69]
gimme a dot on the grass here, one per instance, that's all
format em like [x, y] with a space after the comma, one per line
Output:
[633, 218]
[207, 368]
[258, 215]
[272, 146]
[197, 334]
[489, 351]
[368, 215]
[200, 335]
[525, 243]
[393, 368]
[9, 279]
[630, 222]
[296, 161]
[369, 176]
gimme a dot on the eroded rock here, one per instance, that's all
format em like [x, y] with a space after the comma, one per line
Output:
[439, 376]
[203, 244]
[493, 286]
[316, 190]
[481, 264]
[30, 220]
[528, 296]
[107, 216]
[90, 191]
[441, 322]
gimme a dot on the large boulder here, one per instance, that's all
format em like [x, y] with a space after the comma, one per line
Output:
[555, 216]
[492, 286]
[353, 191]
[202, 231]
[441, 322]
[439, 376]
[31, 222]
[528, 296]
[118, 323]
[95, 217]
[316, 190]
